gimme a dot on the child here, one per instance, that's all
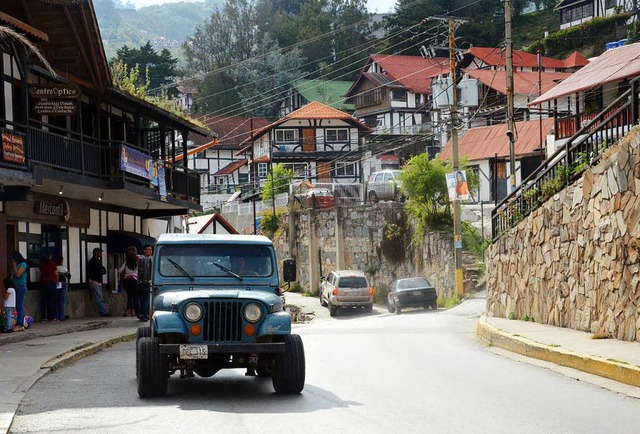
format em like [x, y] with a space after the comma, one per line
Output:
[9, 301]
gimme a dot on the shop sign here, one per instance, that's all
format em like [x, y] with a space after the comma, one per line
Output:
[13, 147]
[54, 99]
[59, 209]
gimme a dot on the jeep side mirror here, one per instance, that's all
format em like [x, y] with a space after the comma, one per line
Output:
[289, 270]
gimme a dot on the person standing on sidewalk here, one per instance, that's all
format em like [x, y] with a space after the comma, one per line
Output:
[8, 299]
[19, 276]
[63, 287]
[128, 272]
[95, 271]
[145, 268]
[48, 290]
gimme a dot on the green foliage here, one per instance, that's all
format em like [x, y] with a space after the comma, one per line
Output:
[158, 68]
[633, 32]
[424, 185]
[394, 240]
[128, 79]
[277, 182]
[380, 295]
[472, 240]
[270, 222]
[512, 316]
[530, 28]
[448, 302]
[557, 183]
[592, 32]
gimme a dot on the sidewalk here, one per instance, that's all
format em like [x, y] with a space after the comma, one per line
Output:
[609, 358]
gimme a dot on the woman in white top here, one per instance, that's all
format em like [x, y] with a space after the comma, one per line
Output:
[62, 287]
[128, 272]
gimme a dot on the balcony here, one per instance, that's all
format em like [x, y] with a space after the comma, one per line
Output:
[396, 130]
[70, 152]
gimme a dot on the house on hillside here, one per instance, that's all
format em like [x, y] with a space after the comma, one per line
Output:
[392, 94]
[317, 142]
[495, 59]
[329, 92]
[83, 166]
[576, 12]
[487, 151]
[222, 172]
[591, 90]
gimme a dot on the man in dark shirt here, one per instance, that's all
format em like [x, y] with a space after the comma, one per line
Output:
[145, 266]
[95, 271]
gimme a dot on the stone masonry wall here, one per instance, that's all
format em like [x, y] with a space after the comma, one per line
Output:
[361, 245]
[574, 261]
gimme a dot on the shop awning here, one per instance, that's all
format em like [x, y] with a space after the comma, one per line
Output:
[119, 241]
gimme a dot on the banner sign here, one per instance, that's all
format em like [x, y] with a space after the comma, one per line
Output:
[59, 209]
[140, 164]
[457, 185]
[13, 147]
[135, 162]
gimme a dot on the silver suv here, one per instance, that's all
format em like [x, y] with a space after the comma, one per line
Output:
[384, 185]
[346, 288]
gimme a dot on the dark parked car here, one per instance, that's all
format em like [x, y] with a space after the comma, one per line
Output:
[412, 292]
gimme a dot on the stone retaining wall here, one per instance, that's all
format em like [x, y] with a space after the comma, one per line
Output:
[354, 238]
[574, 261]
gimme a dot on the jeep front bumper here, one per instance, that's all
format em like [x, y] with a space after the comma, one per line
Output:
[263, 348]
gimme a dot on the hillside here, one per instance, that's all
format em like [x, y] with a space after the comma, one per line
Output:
[166, 26]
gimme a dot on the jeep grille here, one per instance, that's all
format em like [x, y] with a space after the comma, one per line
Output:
[222, 321]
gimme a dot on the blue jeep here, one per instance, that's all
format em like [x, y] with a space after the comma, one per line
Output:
[216, 305]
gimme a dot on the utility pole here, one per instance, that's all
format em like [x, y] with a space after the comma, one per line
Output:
[254, 179]
[511, 128]
[457, 223]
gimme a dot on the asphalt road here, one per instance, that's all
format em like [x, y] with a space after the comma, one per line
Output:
[419, 372]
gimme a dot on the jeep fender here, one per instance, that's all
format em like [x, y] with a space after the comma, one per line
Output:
[277, 323]
[167, 322]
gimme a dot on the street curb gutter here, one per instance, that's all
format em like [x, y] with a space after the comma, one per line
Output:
[72, 356]
[612, 370]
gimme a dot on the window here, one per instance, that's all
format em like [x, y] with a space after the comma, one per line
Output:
[337, 135]
[263, 168]
[344, 169]
[300, 170]
[399, 95]
[610, 4]
[286, 136]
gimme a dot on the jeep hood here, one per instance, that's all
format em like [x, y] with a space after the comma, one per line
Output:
[166, 299]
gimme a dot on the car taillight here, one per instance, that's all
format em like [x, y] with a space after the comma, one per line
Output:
[370, 291]
[335, 291]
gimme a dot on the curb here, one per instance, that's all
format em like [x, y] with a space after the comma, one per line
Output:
[12, 338]
[74, 355]
[627, 374]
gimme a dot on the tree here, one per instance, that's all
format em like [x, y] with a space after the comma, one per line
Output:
[158, 69]
[277, 182]
[216, 94]
[424, 184]
[264, 79]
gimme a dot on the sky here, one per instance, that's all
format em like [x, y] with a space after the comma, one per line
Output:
[374, 5]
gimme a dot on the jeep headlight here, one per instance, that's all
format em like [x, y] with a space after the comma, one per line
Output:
[193, 312]
[252, 312]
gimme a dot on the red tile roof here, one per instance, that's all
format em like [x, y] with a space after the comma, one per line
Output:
[576, 59]
[484, 142]
[231, 167]
[262, 159]
[413, 72]
[611, 66]
[231, 130]
[313, 110]
[496, 57]
[524, 82]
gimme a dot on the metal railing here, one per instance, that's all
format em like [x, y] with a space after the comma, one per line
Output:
[581, 151]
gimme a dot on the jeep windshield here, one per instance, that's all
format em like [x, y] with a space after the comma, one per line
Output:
[223, 260]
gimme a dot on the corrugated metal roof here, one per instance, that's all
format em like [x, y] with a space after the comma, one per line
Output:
[611, 66]
[484, 142]
[524, 82]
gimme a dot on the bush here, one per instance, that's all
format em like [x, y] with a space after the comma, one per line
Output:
[472, 240]
[270, 222]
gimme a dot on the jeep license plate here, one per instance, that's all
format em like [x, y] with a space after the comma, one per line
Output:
[417, 292]
[194, 351]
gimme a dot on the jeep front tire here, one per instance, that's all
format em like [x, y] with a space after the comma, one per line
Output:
[152, 368]
[289, 374]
